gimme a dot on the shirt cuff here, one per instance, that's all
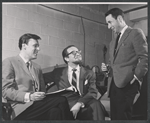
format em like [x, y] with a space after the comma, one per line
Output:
[27, 97]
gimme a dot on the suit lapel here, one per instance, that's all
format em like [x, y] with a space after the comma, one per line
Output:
[81, 79]
[124, 36]
[112, 48]
[65, 77]
[22, 64]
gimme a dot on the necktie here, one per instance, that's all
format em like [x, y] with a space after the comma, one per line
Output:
[74, 78]
[28, 64]
[35, 85]
[118, 36]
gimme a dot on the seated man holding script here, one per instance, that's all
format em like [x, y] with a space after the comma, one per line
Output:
[23, 86]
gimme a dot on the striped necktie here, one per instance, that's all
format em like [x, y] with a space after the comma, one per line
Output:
[74, 78]
[117, 39]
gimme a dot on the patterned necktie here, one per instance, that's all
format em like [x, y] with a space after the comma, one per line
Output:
[74, 78]
[117, 39]
[35, 85]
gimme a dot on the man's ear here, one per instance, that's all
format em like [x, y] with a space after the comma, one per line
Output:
[119, 18]
[23, 46]
[66, 58]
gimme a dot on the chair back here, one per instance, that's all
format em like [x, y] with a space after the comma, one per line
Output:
[6, 110]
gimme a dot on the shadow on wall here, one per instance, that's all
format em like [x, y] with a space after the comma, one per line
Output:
[46, 62]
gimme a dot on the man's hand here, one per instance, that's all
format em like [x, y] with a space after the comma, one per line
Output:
[36, 96]
[75, 109]
[104, 67]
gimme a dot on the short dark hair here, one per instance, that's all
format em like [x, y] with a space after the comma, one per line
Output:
[24, 39]
[115, 12]
[65, 52]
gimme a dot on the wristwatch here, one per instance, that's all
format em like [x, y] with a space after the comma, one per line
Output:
[82, 104]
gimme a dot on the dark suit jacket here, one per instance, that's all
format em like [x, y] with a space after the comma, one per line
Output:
[131, 57]
[60, 77]
[16, 81]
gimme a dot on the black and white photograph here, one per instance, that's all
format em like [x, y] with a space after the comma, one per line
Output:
[75, 61]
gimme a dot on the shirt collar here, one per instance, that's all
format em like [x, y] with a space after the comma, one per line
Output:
[124, 29]
[24, 59]
[70, 68]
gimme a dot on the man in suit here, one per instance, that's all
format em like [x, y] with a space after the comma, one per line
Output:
[23, 86]
[82, 100]
[128, 65]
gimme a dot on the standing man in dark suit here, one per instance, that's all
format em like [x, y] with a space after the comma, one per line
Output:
[23, 86]
[128, 65]
[82, 100]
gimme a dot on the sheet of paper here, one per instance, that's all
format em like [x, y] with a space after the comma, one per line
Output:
[65, 89]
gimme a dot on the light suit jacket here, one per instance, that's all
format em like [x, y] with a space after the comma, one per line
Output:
[87, 80]
[17, 80]
[131, 57]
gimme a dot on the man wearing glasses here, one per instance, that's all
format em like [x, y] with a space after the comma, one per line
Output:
[82, 98]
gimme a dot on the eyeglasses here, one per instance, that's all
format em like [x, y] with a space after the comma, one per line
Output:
[74, 53]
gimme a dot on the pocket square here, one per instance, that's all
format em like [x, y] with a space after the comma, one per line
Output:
[86, 82]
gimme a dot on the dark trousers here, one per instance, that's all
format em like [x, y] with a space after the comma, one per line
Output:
[93, 110]
[50, 108]
[121, 100]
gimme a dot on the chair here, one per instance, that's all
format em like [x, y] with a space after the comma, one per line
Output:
[6, 110]
[100, 79]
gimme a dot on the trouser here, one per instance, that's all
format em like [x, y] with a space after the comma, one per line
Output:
[121, 100]
[50, 108]
[93, 110]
